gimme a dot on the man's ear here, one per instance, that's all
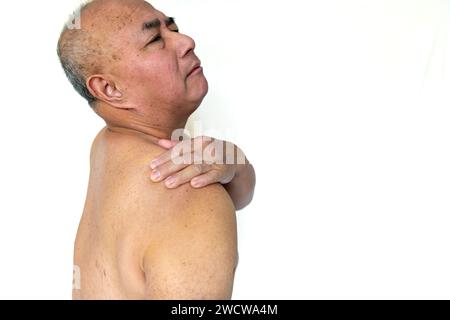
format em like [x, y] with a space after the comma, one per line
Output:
[103, 89]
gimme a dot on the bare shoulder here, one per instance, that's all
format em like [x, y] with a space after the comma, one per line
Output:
[122, 147]
[129, 158]
[151, 205]
[120, 173]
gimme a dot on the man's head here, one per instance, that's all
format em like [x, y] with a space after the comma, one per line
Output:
[130, 56]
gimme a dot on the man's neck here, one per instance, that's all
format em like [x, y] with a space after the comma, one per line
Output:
[145, 126]
[153, 134]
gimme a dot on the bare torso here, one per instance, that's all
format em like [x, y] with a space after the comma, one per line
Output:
[111, 237]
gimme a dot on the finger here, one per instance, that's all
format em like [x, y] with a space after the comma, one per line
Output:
[168, 168]
[186, 175]
[166, 143]
[200, 146]
[205, 179]
[166, 156]
[194, 146]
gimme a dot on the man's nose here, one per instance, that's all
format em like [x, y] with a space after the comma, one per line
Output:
[184, 44]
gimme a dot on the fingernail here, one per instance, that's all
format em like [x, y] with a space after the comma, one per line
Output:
[155, 175]
[196, 183]
[170, 181]
[153, 164]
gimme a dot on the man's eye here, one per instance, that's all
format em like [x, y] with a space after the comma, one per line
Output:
[155, 39]
[158, 37]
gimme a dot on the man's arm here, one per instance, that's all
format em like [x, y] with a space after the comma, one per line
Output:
[242, 187]
[195, 254]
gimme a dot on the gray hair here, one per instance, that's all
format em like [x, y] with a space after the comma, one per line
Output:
[77, 54]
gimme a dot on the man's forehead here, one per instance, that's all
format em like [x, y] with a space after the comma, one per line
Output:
[116, 15]
[141, 11]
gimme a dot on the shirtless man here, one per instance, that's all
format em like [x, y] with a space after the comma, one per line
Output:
[141, 237]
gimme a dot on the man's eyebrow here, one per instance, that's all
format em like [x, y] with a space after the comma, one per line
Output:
[156, 23]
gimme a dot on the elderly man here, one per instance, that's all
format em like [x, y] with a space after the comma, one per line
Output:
[152, 227]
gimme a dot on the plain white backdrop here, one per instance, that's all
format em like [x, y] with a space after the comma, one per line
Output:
[342, 106]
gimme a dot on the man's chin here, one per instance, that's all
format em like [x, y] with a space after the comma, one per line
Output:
[201, 92]
[196, 102]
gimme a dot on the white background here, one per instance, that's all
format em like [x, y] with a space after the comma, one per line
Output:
[342, 106]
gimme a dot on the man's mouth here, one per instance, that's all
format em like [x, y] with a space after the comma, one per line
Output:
[195, 69]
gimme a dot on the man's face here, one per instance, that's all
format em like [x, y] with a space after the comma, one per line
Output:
[151, 61]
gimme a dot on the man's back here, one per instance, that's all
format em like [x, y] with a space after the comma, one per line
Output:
[137, 239]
